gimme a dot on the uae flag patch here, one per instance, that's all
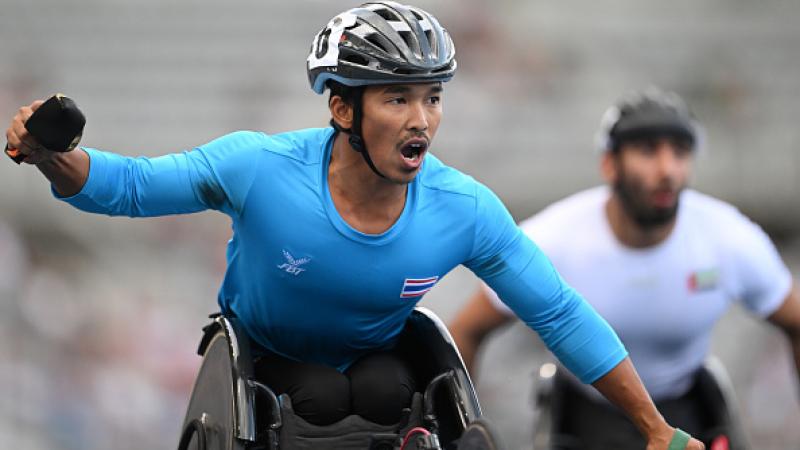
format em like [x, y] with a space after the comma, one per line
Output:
[703, 280]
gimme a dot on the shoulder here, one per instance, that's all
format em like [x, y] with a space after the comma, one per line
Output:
[722, 223]
[457, 194]
[704, 209]
[459, 197]
[437, 176]
[304, 146]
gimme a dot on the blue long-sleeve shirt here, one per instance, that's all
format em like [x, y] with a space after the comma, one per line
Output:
[307, 285]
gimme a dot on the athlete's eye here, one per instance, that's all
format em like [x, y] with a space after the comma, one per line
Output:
[648, 146]
[435, 100]
[683, 147]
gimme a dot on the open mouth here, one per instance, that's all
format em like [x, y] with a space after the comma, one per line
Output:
[413, 150]
[664, 198]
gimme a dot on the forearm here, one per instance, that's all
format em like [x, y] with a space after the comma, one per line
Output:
[467, 346]
[66, 171]
[622, 387]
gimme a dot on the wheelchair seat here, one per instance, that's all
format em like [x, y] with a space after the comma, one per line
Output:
[231, 410]
[712, 388]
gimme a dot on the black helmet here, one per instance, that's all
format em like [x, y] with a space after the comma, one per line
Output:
[645, 113]
[381, 43]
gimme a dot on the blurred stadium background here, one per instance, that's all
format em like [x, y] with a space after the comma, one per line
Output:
[100, 317]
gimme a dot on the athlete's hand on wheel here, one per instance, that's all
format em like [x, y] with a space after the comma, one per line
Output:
[674, 439]
[694, 444]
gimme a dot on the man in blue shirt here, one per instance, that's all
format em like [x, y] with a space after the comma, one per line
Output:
[338, 232]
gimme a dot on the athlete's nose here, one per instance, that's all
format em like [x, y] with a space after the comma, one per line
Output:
[667, 159]
[417, 117]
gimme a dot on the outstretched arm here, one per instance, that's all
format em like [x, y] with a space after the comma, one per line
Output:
[524, 278]
[473, 323]
[216, 175]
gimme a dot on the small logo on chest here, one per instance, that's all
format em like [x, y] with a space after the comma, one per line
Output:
[292, 265]
[703, 280]
[417, 287]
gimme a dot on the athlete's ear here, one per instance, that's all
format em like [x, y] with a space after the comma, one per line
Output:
[341, 112]
[608, 166]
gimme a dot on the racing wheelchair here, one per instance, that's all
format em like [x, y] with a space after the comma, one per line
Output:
[712, 389]
[231, 410]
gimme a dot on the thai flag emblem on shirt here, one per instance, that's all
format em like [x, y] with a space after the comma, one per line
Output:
[415, 287]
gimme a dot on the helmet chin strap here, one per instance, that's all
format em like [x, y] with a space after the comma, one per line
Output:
[357, 142]
[355, 139]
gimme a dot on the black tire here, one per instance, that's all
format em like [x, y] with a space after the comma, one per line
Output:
[212, 396]
[478, 436]
[193, 428]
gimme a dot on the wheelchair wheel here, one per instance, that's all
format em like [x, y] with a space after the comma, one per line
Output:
[209, 423]
[478, 436]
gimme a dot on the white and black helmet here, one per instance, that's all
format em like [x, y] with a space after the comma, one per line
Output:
[381, 43]
[646, 113]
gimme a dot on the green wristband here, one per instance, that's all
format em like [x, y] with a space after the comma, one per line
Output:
[679, 440]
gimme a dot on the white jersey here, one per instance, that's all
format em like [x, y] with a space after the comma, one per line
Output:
[663, 301]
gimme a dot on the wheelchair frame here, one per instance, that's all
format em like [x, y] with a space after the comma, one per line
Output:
[450, 402]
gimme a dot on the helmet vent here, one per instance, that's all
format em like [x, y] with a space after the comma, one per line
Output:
[356, 59]
[429, 35]
[417, 15]
[386, 14]
[406, 35]
[378, 41]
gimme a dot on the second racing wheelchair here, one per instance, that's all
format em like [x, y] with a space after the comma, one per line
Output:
[713, 390]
